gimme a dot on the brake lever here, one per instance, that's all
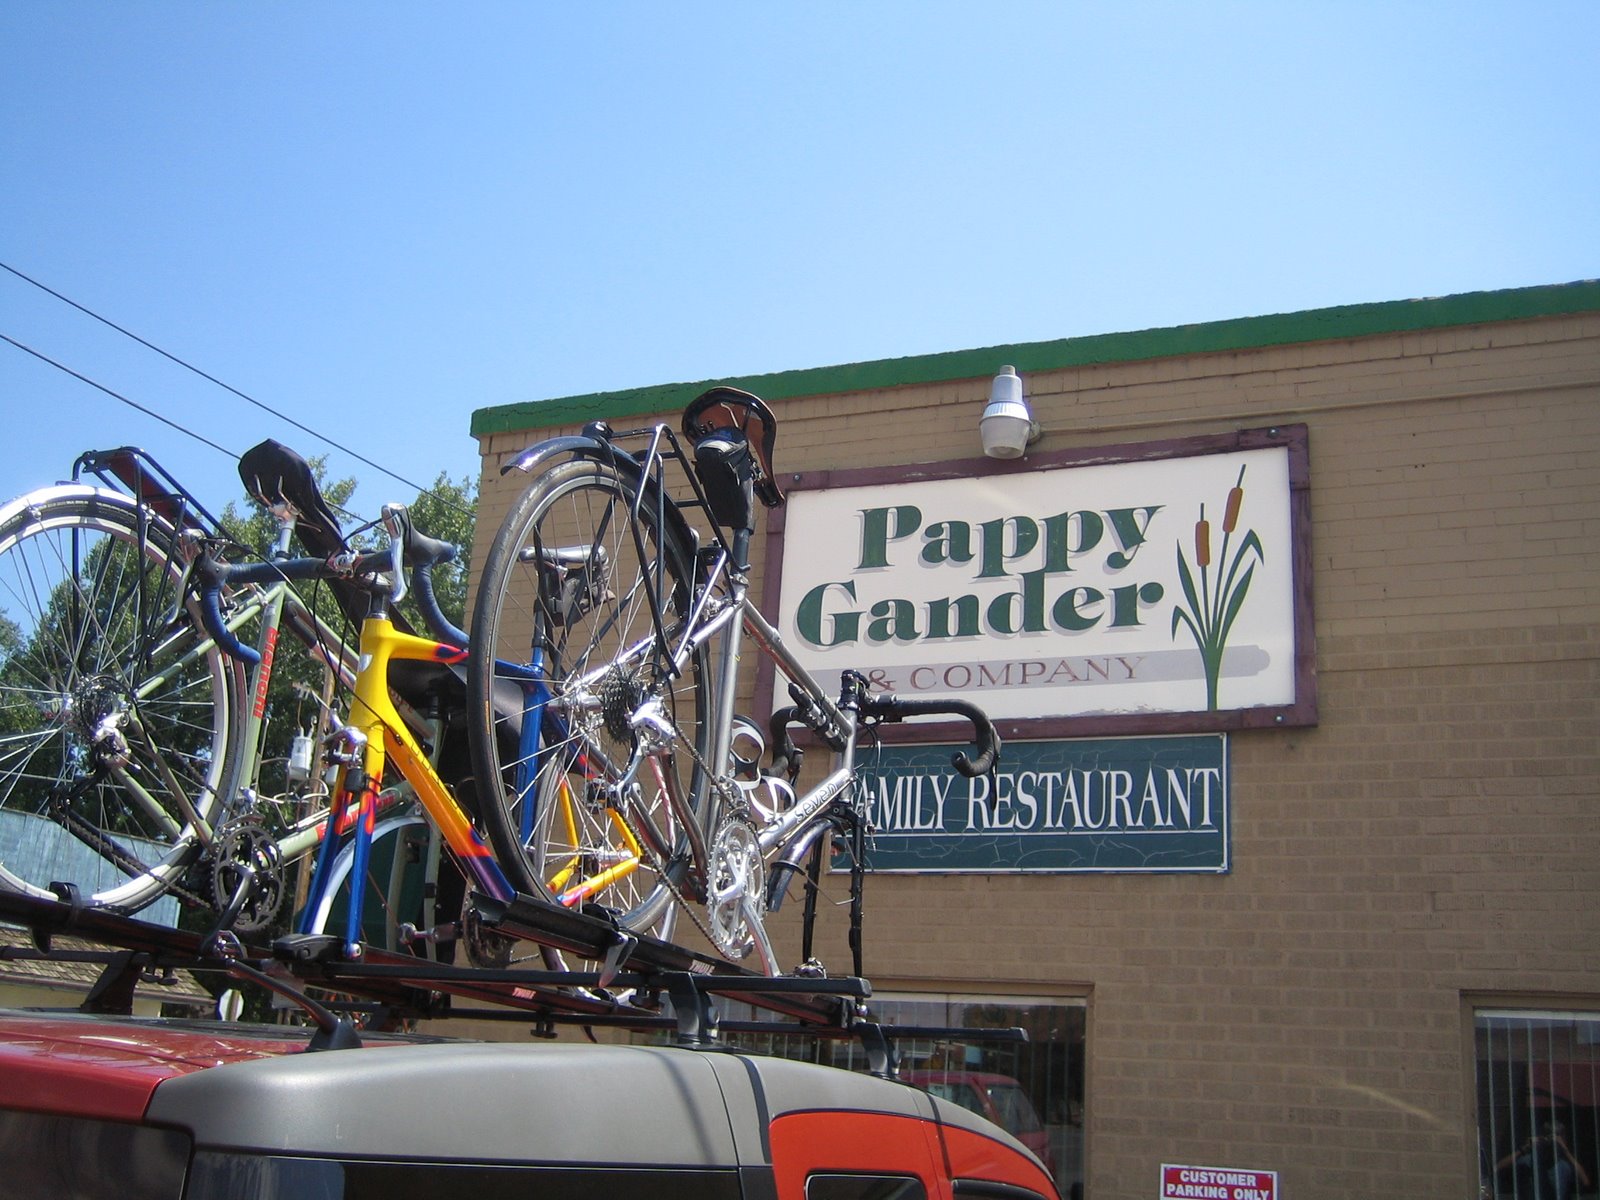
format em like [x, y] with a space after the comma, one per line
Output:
[395, 523]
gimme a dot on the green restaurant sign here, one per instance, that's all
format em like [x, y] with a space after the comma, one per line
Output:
[1095, 805]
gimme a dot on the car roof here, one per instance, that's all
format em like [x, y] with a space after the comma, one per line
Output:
[260, 1087]
[98, 1066]
[524, 1102]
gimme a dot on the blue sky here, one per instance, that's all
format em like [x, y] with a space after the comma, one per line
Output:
[376, 218]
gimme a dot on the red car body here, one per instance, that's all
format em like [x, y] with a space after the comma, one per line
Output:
[97, 1106]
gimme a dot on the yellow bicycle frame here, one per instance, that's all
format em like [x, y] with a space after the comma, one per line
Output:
[570, 897]
[375, 719]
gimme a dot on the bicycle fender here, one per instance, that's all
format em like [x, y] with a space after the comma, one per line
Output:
[573, 445]
[597, 449]
[62, 491]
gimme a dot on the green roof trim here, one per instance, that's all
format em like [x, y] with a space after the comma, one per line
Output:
[1243, 333]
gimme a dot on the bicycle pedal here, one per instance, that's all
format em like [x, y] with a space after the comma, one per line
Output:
[439, 934]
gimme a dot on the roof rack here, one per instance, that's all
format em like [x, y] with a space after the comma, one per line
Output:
[647, 985]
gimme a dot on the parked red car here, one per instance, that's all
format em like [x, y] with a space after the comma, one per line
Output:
[997, 1098]
[138, 1109]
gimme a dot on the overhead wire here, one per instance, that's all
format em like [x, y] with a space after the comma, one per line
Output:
[117, 395]
[173, 358]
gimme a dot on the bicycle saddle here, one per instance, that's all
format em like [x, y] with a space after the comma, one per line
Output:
[273, 472]
[725, 408]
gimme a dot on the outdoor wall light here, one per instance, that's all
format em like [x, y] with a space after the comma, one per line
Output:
[1007, 425]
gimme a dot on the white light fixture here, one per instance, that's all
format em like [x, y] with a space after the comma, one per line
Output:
[1007, 426]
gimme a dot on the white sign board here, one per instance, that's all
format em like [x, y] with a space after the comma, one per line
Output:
[1152, 586]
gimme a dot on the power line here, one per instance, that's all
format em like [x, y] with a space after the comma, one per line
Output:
[117, 395]
[173, 358]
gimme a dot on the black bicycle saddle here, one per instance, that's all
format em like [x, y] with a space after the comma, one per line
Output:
[721, 408]
[272, 472]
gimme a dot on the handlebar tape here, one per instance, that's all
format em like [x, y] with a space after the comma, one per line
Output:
[890, 707]
[422, 553]
[211, 614]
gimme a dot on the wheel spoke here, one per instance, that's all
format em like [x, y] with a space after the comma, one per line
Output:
[115, 723]
[565, 595]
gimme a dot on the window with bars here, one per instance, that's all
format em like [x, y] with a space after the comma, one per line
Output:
[1538, 1097]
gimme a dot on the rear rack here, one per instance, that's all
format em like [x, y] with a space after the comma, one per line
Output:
[132, 470]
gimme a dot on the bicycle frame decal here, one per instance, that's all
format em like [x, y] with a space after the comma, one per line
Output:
[269, 648]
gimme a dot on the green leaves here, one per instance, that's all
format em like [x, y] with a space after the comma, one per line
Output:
[1209, 616]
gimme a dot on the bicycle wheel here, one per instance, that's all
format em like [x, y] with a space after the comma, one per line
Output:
[564, 655]
[116, 710]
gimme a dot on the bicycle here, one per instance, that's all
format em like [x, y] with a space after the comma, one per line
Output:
[132, 742]
[614, 776]
[375, 734]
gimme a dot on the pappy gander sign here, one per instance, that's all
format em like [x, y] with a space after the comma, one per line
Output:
[1148, 586]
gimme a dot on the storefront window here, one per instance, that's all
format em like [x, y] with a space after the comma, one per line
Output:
[1538, 1084]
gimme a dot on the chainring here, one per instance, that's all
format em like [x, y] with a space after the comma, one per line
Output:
[738, 877]
[485, 947]
[241, 847]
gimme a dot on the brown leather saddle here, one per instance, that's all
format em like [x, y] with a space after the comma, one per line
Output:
[724, 409]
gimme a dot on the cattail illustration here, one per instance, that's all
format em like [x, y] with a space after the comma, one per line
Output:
[1230, 519]
[1209, 617]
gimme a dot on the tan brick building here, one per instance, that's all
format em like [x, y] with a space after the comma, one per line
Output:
[1397, 978]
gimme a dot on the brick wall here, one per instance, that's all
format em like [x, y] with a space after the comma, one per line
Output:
[1433, 840]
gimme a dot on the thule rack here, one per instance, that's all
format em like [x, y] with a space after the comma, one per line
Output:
[628, 992]
[630, 998]
[644, 985]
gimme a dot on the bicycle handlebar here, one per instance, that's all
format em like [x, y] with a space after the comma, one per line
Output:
[421, 554]
[416, 550]
[890, 707]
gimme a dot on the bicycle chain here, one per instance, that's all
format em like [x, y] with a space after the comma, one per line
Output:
[736, 809]
[98, 841]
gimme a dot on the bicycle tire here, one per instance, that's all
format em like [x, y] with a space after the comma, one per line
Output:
[109, 687]
[549, 818]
